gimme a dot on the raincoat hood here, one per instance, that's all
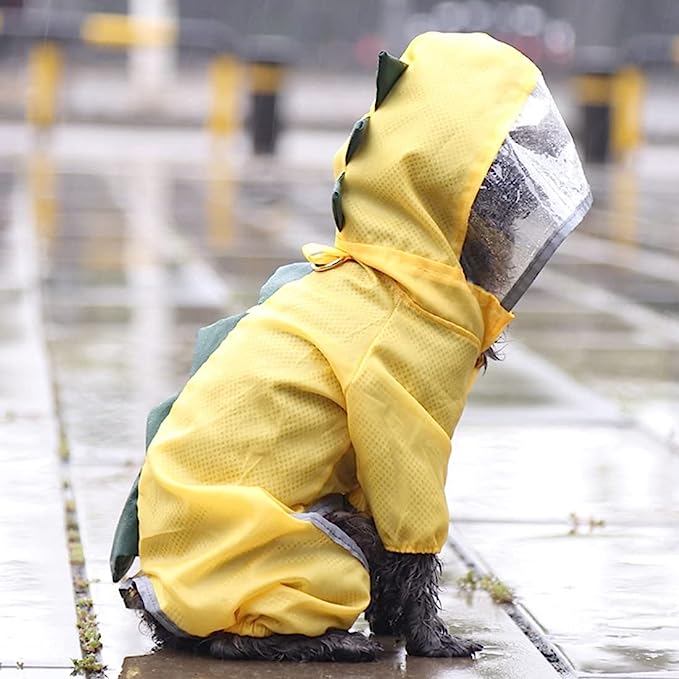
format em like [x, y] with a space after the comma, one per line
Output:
[409, 174]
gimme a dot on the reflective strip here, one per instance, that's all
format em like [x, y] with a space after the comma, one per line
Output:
[337, 535]
[148, 596]
[544, 255]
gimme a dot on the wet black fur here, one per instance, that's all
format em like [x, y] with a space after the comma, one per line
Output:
[404, 602]
[404, 593]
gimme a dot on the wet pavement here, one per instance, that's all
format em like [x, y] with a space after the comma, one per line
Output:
[116, 245]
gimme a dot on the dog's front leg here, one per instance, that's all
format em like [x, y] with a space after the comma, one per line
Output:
[404, 596]
[406, 602]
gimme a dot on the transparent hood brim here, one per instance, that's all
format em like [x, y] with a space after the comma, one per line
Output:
[544, 254]
[533, 195]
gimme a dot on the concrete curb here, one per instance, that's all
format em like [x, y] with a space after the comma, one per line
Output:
[516, 611]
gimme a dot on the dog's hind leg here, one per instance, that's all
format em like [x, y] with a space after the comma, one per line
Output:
[333, 646]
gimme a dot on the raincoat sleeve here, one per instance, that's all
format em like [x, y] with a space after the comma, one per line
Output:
[401, 460]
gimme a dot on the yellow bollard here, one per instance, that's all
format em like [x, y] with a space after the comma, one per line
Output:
[119, 30]
[44, 74]
[627, 96]
[225, 75]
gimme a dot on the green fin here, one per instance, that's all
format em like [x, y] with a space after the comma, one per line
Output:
[337, 203]
[357, 135]
[389, 70]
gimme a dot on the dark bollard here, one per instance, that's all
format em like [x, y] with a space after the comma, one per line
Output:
[265, 84]
[594, 90]
[609, 88]
[269, 57]
[610, 94]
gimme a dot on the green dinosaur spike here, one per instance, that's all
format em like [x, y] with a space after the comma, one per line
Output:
[337, 203]
[357, 135]
[389, 70]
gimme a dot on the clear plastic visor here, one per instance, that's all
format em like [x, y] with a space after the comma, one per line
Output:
[534, 195]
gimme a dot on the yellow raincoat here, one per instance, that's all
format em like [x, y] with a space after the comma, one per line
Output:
[349, 380]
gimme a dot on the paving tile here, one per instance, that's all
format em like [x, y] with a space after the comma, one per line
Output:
[531, 472]
[36, 600]
[606, 598]
[35, 590]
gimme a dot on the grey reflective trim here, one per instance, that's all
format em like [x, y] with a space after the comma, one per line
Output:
[148, 596]
[544, 255]
[336, 534]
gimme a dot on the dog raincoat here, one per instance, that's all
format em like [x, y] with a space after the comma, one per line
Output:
[350, 377]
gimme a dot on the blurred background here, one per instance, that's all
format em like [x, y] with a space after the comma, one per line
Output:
[159, 159]
[155, 67]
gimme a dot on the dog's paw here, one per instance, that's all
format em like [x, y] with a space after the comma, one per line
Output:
[445, 647]
[381, 627]
[352, 647]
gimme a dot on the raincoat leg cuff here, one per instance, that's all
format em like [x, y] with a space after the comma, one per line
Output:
[142, 585]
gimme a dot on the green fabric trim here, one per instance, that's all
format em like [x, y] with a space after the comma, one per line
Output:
[357, 136]
[207, 340]
[389, 70]
[337, 211]
[126, 537]
[125, 545]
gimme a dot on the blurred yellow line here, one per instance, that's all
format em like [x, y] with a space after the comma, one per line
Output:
[45, 64]
[225, 75]
[119, 30]
[43, 193]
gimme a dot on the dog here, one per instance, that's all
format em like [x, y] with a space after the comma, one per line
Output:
[298, 480]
